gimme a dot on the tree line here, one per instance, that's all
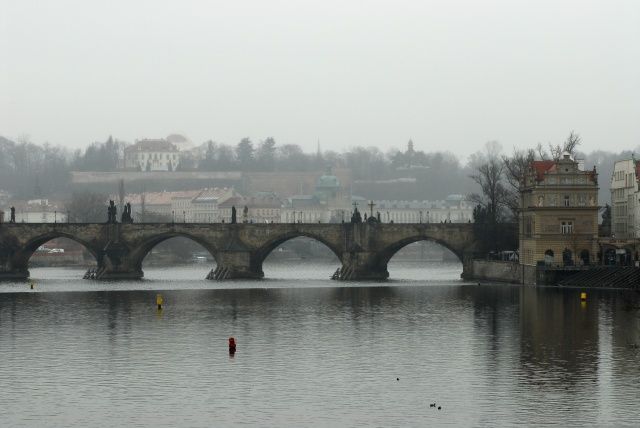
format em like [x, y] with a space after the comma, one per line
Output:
[29, 170]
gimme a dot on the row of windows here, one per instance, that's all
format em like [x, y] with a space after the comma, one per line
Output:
[566, 227]
[622, 175]
[567, 180]
[553, 200]
[156, 156]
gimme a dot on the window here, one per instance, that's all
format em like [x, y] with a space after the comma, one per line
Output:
[566, 227]
[566, 201]
[582, 200]
[528, 227]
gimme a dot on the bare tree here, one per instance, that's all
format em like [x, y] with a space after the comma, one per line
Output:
[143, 206]
[569, 145]
[87, 207]
[515, 167]
[489, 176]
[121, 195]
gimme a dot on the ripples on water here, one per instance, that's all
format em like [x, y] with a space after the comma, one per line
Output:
[314, 352]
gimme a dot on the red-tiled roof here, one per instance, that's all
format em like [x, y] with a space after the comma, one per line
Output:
[540, 167]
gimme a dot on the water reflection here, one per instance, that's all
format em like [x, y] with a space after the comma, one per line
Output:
[319, 355]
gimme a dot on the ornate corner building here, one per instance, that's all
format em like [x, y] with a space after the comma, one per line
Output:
[559, 213]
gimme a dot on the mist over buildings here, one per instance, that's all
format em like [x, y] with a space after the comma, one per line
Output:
[448, 74]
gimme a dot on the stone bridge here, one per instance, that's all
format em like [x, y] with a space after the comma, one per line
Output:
[239, 249]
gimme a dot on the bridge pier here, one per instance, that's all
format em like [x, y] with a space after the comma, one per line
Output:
[236, 265]
[15, 275]
[12, 267]
[361, 266]
[114, 263]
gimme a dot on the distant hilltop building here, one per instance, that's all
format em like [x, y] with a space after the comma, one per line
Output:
[181, 142]
[152, 155]
[559, 213]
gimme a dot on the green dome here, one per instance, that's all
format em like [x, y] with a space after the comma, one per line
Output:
[328, 182]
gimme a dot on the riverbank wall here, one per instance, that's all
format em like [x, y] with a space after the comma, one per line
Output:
[499, 271]
[587, 276]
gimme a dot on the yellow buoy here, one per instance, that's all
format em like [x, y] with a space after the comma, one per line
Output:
[583, 296]
[159, 300]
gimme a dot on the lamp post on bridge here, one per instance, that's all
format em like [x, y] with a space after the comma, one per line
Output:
[184, 216]
[55, 216]
[173, 216]
[420, 216]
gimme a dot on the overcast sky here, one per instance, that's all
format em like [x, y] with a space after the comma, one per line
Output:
[448, 74]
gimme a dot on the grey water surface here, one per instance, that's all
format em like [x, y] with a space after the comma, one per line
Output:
[314, 352]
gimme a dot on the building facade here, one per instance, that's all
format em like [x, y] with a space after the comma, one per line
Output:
[558, 220]
[151, 155]
[204, 207]
[624, 200]
[37, 211]
[261, 208]
[454, 209]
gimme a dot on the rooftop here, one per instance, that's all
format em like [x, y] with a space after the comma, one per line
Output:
[152, 145]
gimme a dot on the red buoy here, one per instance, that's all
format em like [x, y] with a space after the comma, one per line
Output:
[232, 345]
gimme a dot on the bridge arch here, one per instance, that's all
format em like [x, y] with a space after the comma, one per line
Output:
[138, 254]
[22, 257]
[385, 255]
[34, 243]
[263, 252]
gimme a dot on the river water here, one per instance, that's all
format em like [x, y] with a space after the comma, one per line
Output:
[314, 352]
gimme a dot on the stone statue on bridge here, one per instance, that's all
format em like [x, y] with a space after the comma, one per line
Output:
[356, 217]
[126, 214]
[233, 214]
[245, 214]
[13, 215]
[112, 213]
